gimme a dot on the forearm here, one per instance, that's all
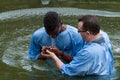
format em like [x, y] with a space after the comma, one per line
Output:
[52, 55]
[42, 57]
[58, 62]
[66, 57]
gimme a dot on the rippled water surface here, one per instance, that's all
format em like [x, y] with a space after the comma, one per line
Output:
[18, 23]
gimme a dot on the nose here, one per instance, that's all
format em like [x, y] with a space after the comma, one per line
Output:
[53, 36]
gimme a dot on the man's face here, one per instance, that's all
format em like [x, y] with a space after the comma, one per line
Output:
[55, 32]
[81, 31]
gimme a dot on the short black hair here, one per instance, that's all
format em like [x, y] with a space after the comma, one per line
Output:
[90, 23]
[51, 21]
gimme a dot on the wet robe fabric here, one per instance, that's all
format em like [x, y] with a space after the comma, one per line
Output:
[69, 41]
[95, 58]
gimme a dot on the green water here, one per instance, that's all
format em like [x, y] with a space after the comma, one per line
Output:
[20, 18]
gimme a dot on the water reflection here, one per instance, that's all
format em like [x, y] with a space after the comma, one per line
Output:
[16, 56]
[45, 2]
[63, 11]
[33, 76]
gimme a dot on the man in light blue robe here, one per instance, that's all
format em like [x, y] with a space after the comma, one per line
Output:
[55, 33]
[95, 58]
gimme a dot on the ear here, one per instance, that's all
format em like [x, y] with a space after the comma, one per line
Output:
[63, 27]
[88, 33]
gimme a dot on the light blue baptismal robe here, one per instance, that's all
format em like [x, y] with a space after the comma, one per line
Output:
[95, 58]
[69, 41]
[106, 38]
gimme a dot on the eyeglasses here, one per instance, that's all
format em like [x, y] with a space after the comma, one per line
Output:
[80, 31]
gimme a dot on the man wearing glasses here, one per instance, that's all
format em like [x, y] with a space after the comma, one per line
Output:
[55, 34]
[95, 58]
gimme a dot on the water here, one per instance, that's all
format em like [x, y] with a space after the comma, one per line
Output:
[62, 11]
[17, 26]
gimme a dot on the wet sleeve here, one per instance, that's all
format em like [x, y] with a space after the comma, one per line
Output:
[79, 66]
[35, 49]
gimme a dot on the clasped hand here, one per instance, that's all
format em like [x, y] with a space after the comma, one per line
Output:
[50, 51]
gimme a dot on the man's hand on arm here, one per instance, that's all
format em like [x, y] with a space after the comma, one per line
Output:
[57, 52]
[53, 56]
[61, 54]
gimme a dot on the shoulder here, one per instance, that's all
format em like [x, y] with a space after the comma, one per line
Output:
[71, 28]
[91, 49]
[73, 33]
[88, 53]
[92, 46]
[39, 32]
[105, 35]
